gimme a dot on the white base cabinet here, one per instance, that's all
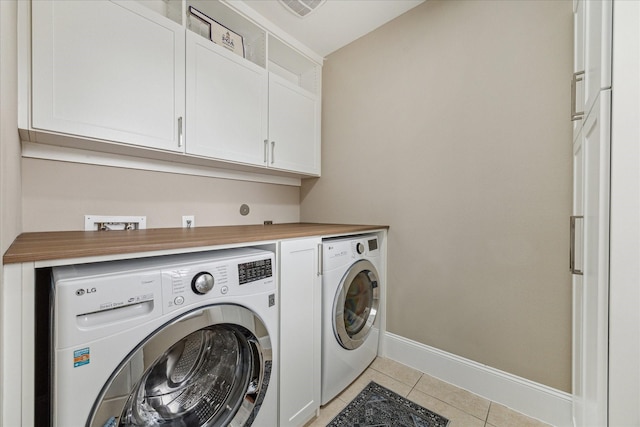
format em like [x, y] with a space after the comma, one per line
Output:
[300, 322]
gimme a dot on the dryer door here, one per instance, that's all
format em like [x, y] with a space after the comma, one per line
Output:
[356, 304]
[208, 367]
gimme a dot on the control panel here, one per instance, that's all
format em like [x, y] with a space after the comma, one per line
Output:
[364, 247]
[254, 270]
[99, 299]
[339, 251]
[203, 281]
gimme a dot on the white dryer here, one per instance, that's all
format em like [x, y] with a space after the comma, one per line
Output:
[181, 340]
[351, 290]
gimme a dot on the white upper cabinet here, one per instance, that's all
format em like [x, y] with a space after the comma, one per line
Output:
[109, 71]
[159, 80]
[294, 111]
[592, 55]
[237, 111]
[293, 127]
[597, 54]
[226, 104]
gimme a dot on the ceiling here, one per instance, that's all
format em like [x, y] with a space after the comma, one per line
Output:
[334, 24]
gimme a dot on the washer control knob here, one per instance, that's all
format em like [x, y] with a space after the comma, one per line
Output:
[360, 248]
[202, 283]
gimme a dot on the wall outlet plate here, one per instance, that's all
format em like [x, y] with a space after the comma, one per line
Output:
[114, 222]
[188, 221]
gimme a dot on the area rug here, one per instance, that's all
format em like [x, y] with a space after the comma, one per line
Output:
[377, 406]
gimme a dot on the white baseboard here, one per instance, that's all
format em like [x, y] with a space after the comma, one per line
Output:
[530, 398]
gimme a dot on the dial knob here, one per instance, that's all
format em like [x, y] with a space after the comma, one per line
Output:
[202, 283]
[360, 248]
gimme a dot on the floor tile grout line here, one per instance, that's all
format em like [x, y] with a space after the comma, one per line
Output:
[414, 388]
[422, 374]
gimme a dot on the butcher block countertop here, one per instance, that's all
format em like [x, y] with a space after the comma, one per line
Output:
[56, 245]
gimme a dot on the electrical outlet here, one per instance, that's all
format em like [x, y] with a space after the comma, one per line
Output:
[188, 221]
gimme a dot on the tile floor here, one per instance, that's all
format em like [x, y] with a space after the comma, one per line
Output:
[462, 408]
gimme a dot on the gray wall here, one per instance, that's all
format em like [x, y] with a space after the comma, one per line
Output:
[65, 192]
[450, 124]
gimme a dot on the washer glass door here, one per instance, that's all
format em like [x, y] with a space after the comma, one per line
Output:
[215, 374]
[356, 304]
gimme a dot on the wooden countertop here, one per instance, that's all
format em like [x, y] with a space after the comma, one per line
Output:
[31, 247]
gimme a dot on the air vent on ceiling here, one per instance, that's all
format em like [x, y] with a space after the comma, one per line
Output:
[302, 8]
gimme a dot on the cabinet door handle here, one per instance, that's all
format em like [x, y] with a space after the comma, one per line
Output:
[575, 115]
[180, 132]
[273, 151]
[572, 244]
[320, 266]
[266, 147]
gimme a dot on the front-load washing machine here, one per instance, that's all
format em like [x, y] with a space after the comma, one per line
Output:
[179, 340]
[351, 290]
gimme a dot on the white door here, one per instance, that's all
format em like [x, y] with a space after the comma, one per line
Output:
[356, 304]
[300, 322]
[209, 366]
[226, 104]
[591, 266]
[109, 71]
[294, 117]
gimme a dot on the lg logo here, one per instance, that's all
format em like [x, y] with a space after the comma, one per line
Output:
[81, 292]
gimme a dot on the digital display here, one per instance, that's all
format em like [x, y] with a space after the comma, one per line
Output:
[373, 244]
[254, 270]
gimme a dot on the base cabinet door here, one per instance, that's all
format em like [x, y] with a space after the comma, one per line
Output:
[93, 81]
[300, 320]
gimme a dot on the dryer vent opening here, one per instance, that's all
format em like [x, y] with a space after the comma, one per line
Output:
[302, 8]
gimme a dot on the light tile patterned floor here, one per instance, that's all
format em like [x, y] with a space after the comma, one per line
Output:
[462, 408]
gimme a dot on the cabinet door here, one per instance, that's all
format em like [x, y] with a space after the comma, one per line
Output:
[107, 70]
[578, 66]
[591, 288]
[597, 49]
[300, 320]
[294, 133]
[226, 104]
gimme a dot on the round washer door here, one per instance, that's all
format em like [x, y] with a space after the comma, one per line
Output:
[208, 367]
[356, 304]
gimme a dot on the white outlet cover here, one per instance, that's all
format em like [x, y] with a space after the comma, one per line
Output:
[186, 218]
[91, 221]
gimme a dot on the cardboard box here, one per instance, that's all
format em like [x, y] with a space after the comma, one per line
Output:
[218, 33]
